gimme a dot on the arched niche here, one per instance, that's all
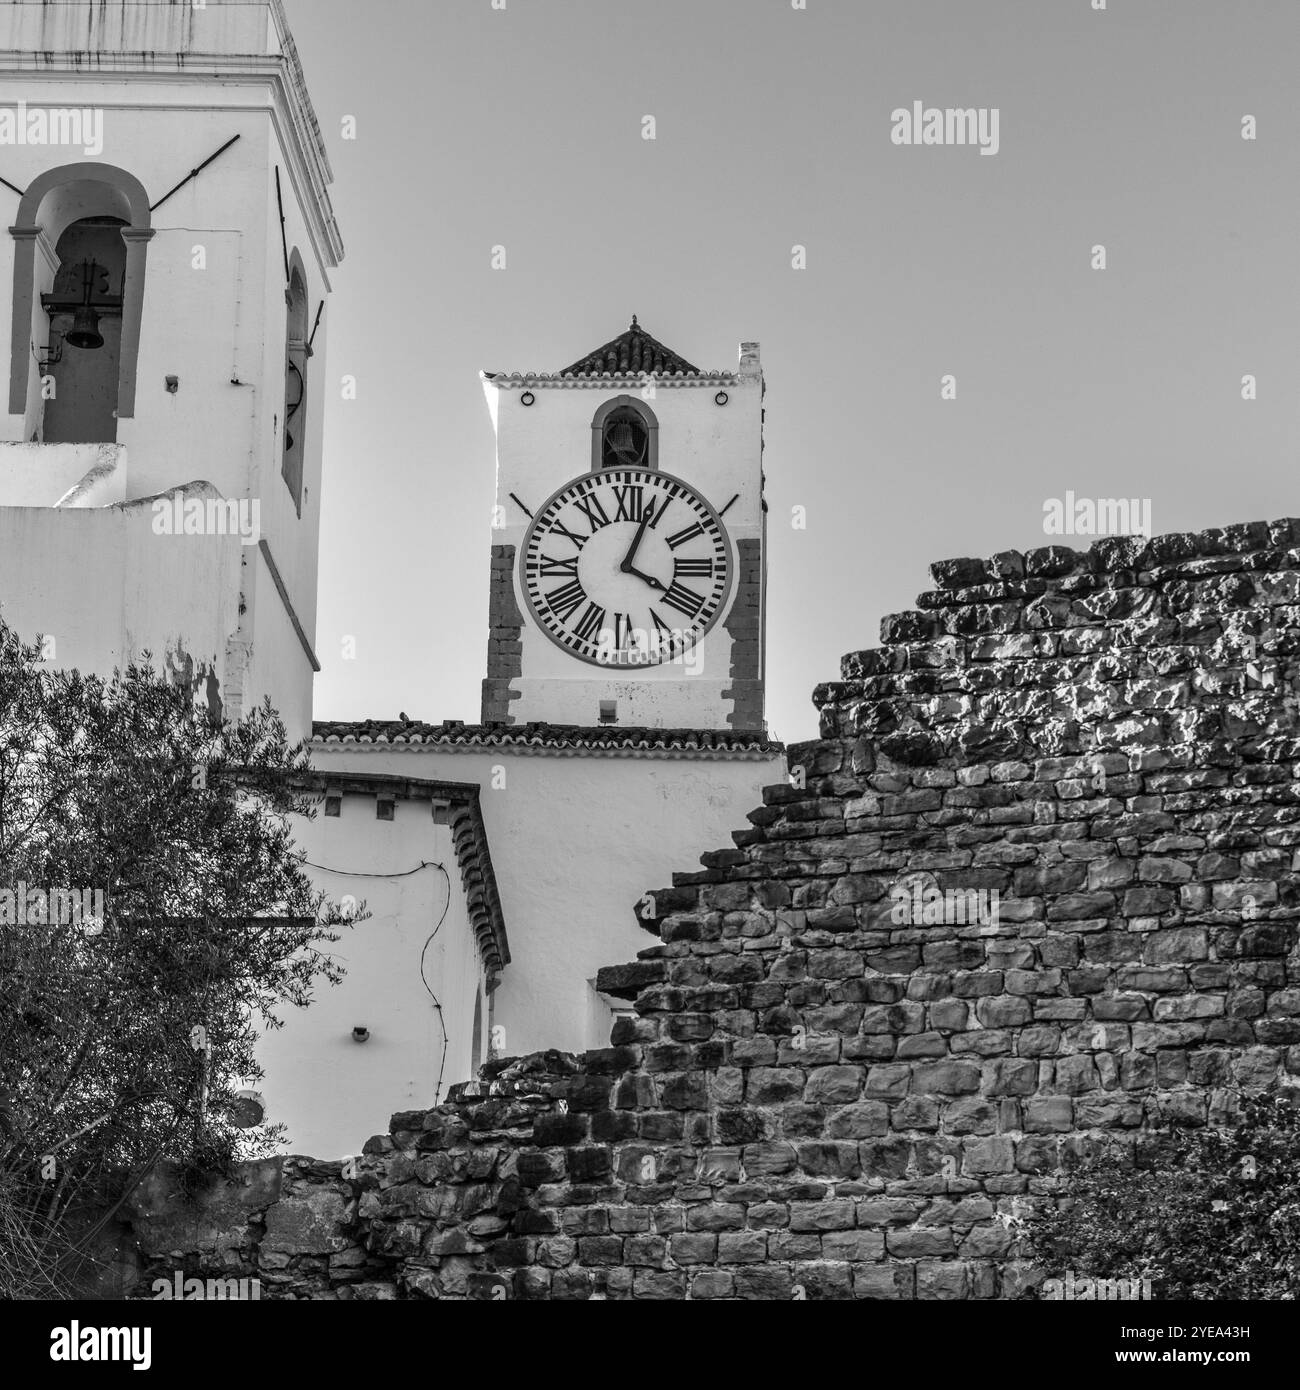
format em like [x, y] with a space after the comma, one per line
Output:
[98, 195]
[296, 355]
[624, 434]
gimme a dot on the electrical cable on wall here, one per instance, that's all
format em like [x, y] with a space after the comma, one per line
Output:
[349, 873]
[446, 1043]
[437, 1003]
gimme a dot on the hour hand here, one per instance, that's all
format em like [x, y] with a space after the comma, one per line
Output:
[626, 566]
[647, 578]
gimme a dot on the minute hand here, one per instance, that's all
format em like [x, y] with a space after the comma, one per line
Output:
[626, 566]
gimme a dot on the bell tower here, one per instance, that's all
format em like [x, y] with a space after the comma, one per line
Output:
[165, 280]
[628, 557]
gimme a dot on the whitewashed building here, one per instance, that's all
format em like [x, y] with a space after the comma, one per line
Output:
[160, 490]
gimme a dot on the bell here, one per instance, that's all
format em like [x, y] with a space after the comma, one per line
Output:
[85, 330]
[623, 444]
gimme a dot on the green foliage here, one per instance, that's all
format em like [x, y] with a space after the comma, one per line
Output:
[1203, 1213]
[123, 1041]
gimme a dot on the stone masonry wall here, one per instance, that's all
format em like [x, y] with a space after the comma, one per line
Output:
[816, 1099]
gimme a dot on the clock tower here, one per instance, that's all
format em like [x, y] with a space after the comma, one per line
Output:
[628, 557]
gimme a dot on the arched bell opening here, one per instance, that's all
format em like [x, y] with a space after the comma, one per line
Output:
[84, 356]
[81, 248]
[625, 434]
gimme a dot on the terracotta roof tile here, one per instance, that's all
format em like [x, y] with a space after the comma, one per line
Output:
[559, 738]
[631, 354]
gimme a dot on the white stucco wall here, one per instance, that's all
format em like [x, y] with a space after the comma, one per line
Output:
[576, 842]
[332, 1092]
[42, 475]
[138, 26]
[106, 589]
[278, 666]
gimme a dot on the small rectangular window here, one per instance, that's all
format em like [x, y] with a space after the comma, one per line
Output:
[609, 711]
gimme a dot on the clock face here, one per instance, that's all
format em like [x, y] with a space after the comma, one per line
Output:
[626, 567]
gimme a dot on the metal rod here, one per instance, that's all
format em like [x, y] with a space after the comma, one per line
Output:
[320, 309]
[284, 239]
[194, 173]
[729, 505]
[17, 190]
[520, 505]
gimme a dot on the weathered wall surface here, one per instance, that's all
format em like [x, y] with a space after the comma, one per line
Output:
[817, 1100]
[290, 1223]
[319, 1082]
[575, 841]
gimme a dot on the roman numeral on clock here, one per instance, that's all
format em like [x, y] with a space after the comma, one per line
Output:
[684, 600]
[686, 569]
[590, 508]
[566, 599]
[631, 500]
[563, 530]
[551, 568]
[590, 623]
[682, 537]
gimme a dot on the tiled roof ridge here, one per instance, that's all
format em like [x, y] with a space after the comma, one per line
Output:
[719, 377]
[633, 352]
[456, 732]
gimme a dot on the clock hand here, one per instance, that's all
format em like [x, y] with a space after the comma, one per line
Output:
[648, 578]
[626, 566]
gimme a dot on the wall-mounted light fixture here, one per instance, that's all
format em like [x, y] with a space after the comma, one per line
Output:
[721, 398]
[360, 1035]
[527, 398]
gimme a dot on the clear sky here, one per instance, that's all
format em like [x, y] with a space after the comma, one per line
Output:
[523, 127]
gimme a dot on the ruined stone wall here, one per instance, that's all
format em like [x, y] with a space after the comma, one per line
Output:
[816, 1099]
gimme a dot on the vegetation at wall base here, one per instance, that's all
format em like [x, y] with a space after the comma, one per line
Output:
[1205, 1213]
[127, 1028]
